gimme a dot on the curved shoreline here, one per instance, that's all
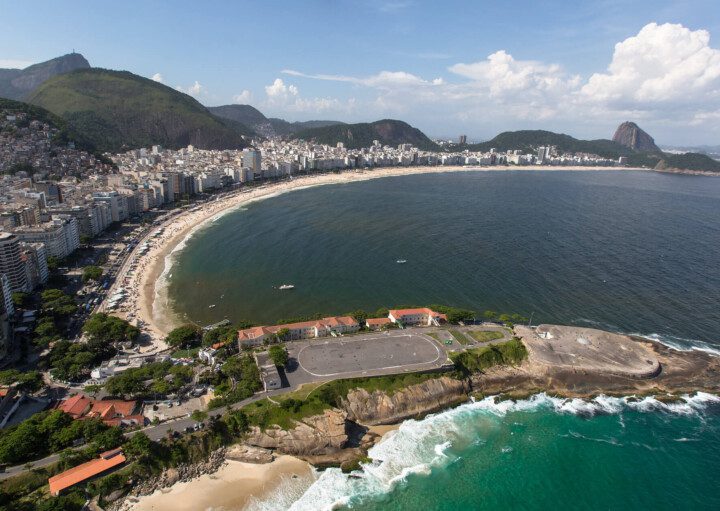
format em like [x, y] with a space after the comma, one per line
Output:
[148, 301]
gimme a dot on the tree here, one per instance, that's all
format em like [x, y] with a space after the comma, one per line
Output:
[30, 381]
[57, 303]
[233, 368]
[185, 336]
[237, 422]
[198, 415]
[53, 263]
[20, 299]
[283, 334]
[91, 273]
[103, 328]
[490, 315]
[139, 446]
[219, 334]
[359, 315]
[278, 355]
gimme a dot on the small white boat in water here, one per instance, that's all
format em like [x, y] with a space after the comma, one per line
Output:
[286, 286]
[211, 306]
[401, 261]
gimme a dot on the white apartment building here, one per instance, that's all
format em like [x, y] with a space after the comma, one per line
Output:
[11, 262]
[60, 236]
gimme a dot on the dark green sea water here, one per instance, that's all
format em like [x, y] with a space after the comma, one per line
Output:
[628, 251]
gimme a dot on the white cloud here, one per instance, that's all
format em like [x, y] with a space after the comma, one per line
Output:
[666, 77]
[243, 98]
[195, 90]
[157, 77]
[15, 63]
[279, 92]
[287, 96]
[662, 64]
[501, 75]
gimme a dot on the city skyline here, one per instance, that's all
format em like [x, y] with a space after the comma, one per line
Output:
[475, 70]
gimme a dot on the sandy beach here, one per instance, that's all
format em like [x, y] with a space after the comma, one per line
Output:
[230, 488]
[147, 302]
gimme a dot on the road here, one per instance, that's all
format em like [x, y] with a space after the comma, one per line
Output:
[326, 359]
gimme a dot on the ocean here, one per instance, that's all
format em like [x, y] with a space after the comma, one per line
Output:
[628, 251]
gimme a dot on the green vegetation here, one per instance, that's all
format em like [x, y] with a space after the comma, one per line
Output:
[185, 336]
[459, 337]
[57, 304]
[116, 110]
[72, 361]
[476, 360]
[156, 378]
[91, 273]
[355, 136]
[50, 432]
[454, 314]
[484, 335]
[223, 333]
[102, 328]
[278, 355]
[21, 299]
[27, 381]
[240, 379]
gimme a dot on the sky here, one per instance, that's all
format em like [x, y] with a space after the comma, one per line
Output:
[447, 67]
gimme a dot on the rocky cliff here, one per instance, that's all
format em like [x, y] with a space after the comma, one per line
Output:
[380, 408]
[630, 135]
[319, 434]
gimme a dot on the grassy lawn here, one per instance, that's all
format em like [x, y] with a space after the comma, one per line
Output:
[191, 353]
[511, 352]
[302, 392]
[459, 337]
[485, 335]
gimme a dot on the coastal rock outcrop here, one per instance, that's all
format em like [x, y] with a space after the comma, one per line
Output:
[380, 408]
[249, 454]
[315, 435]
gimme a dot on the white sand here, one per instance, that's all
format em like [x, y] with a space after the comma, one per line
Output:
[228, 489]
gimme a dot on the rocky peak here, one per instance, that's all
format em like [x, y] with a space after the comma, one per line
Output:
[630, 135]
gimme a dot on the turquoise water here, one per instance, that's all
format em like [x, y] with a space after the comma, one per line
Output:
[543, 453]
[627, 251]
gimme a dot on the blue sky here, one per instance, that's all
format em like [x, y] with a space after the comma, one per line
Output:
[451, 67]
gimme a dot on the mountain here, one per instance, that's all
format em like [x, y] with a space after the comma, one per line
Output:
[117, 110]
[630, 135]
[354, 136]
[530, 140]
[17, 83]
[269, 127]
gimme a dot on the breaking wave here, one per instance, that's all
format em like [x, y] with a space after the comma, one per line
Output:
[418, 447]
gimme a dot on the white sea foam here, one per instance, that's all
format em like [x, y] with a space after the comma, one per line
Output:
[418, 447]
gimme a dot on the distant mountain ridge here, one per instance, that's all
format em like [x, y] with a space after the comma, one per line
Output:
[355, 136]
[18, 83]
[117, 110]
[529, 140]
[266, 126]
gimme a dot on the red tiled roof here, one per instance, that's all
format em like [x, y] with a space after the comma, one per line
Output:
[397, 313]
[377, 321]
[85, 471]
[259, 331]
[76, 405]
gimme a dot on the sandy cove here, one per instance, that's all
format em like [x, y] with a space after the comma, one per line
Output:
[230, 488]
[148, 304]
